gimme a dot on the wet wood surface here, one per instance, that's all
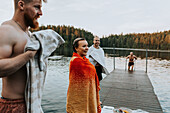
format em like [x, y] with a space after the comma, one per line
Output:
[129, 89]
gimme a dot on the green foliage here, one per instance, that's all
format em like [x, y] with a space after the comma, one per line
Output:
[68, 33]
[159, 40]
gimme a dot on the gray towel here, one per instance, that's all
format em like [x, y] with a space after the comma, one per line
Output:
[45, 42]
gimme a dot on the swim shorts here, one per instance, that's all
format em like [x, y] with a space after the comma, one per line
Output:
[131, 63]
[12, 105]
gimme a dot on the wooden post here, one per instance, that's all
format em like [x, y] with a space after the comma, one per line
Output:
[125, 64]
[114, 56]
[146, 58]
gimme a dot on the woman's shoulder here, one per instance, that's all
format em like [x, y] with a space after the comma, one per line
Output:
[75, 59]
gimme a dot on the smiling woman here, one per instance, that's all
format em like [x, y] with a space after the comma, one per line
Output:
[83, 90]
[80, 46]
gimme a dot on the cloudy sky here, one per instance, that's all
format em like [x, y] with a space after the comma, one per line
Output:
[102, 17]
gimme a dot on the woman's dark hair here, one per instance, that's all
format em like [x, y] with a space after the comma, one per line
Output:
[75, 43]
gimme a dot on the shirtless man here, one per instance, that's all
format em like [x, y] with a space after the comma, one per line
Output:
[13, 38]
[131, 58]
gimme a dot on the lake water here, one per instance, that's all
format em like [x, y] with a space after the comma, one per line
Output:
[55, 90]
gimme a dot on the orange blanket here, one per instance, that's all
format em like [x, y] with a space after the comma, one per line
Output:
[83, 90]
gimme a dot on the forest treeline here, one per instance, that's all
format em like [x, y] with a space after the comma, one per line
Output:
[157, 40]
[68, 33]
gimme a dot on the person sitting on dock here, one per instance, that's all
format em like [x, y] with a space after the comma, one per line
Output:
[95, 55]
[131, 58]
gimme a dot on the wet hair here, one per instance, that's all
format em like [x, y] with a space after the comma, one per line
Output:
[25, 1]
[131, 53]
[75, 43]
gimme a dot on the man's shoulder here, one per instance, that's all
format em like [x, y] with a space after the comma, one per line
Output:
[7, 30]
[134, 56]
[91, 47]
[101, 48]
[7, 35]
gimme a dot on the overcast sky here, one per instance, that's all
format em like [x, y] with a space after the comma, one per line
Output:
[102, 17]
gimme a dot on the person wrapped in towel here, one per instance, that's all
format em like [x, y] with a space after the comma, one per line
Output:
[95, 55]
[83, 89]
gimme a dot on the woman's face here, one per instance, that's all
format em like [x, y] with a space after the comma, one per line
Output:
[82, 48]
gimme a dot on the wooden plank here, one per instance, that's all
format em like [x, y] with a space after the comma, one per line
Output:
[129, 89]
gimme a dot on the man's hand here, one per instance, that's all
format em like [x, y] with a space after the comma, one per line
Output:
[31, 53]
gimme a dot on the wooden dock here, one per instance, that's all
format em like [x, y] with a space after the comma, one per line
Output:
[129, 89]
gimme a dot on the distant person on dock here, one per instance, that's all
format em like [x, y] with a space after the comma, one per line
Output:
[83, 90]
[131, 58]
[96, 56]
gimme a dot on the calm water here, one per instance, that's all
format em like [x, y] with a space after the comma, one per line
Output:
[55, 90]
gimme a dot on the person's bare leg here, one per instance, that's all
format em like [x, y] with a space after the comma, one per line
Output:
[128, 68]
[132, 68]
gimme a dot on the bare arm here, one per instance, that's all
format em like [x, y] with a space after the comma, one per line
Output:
[9, 66]
[135, 57]
[127, 57]
[11, 62]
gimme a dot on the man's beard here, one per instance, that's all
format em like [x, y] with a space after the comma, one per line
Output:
[33, 23]
[97, 45]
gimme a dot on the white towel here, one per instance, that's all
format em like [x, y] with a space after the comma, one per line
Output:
[97, 56]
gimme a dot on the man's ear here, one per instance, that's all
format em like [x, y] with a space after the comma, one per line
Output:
[21, 5]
